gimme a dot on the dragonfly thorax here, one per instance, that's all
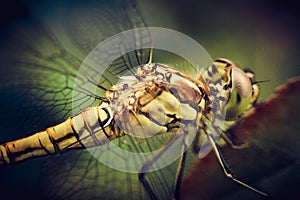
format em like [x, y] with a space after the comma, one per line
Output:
[156, 100]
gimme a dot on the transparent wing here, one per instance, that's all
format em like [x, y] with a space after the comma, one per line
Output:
[39, 65]
[82, 176]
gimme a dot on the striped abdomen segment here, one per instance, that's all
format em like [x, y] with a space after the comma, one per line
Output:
[88, 129]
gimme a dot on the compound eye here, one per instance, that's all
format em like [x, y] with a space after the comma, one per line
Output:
[241, 82]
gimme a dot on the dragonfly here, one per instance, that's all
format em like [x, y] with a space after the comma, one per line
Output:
[149, 86]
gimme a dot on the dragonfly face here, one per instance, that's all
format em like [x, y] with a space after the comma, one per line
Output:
[238, 86]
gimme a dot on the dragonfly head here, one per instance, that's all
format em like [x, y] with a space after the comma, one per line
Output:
[239, 87]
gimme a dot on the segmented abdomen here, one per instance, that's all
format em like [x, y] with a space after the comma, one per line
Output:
[87, 129]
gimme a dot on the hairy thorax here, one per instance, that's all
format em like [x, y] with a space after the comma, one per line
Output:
[156, 100]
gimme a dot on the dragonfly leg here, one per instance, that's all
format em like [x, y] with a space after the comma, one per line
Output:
[227, 171]
[231, 143]
[179, 169]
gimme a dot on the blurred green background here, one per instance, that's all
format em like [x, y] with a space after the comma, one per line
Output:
[261, 35]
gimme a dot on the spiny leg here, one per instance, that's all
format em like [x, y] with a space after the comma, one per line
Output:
[231, 143]
[228, 172]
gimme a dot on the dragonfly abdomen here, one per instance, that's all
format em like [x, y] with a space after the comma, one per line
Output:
[87, 129]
